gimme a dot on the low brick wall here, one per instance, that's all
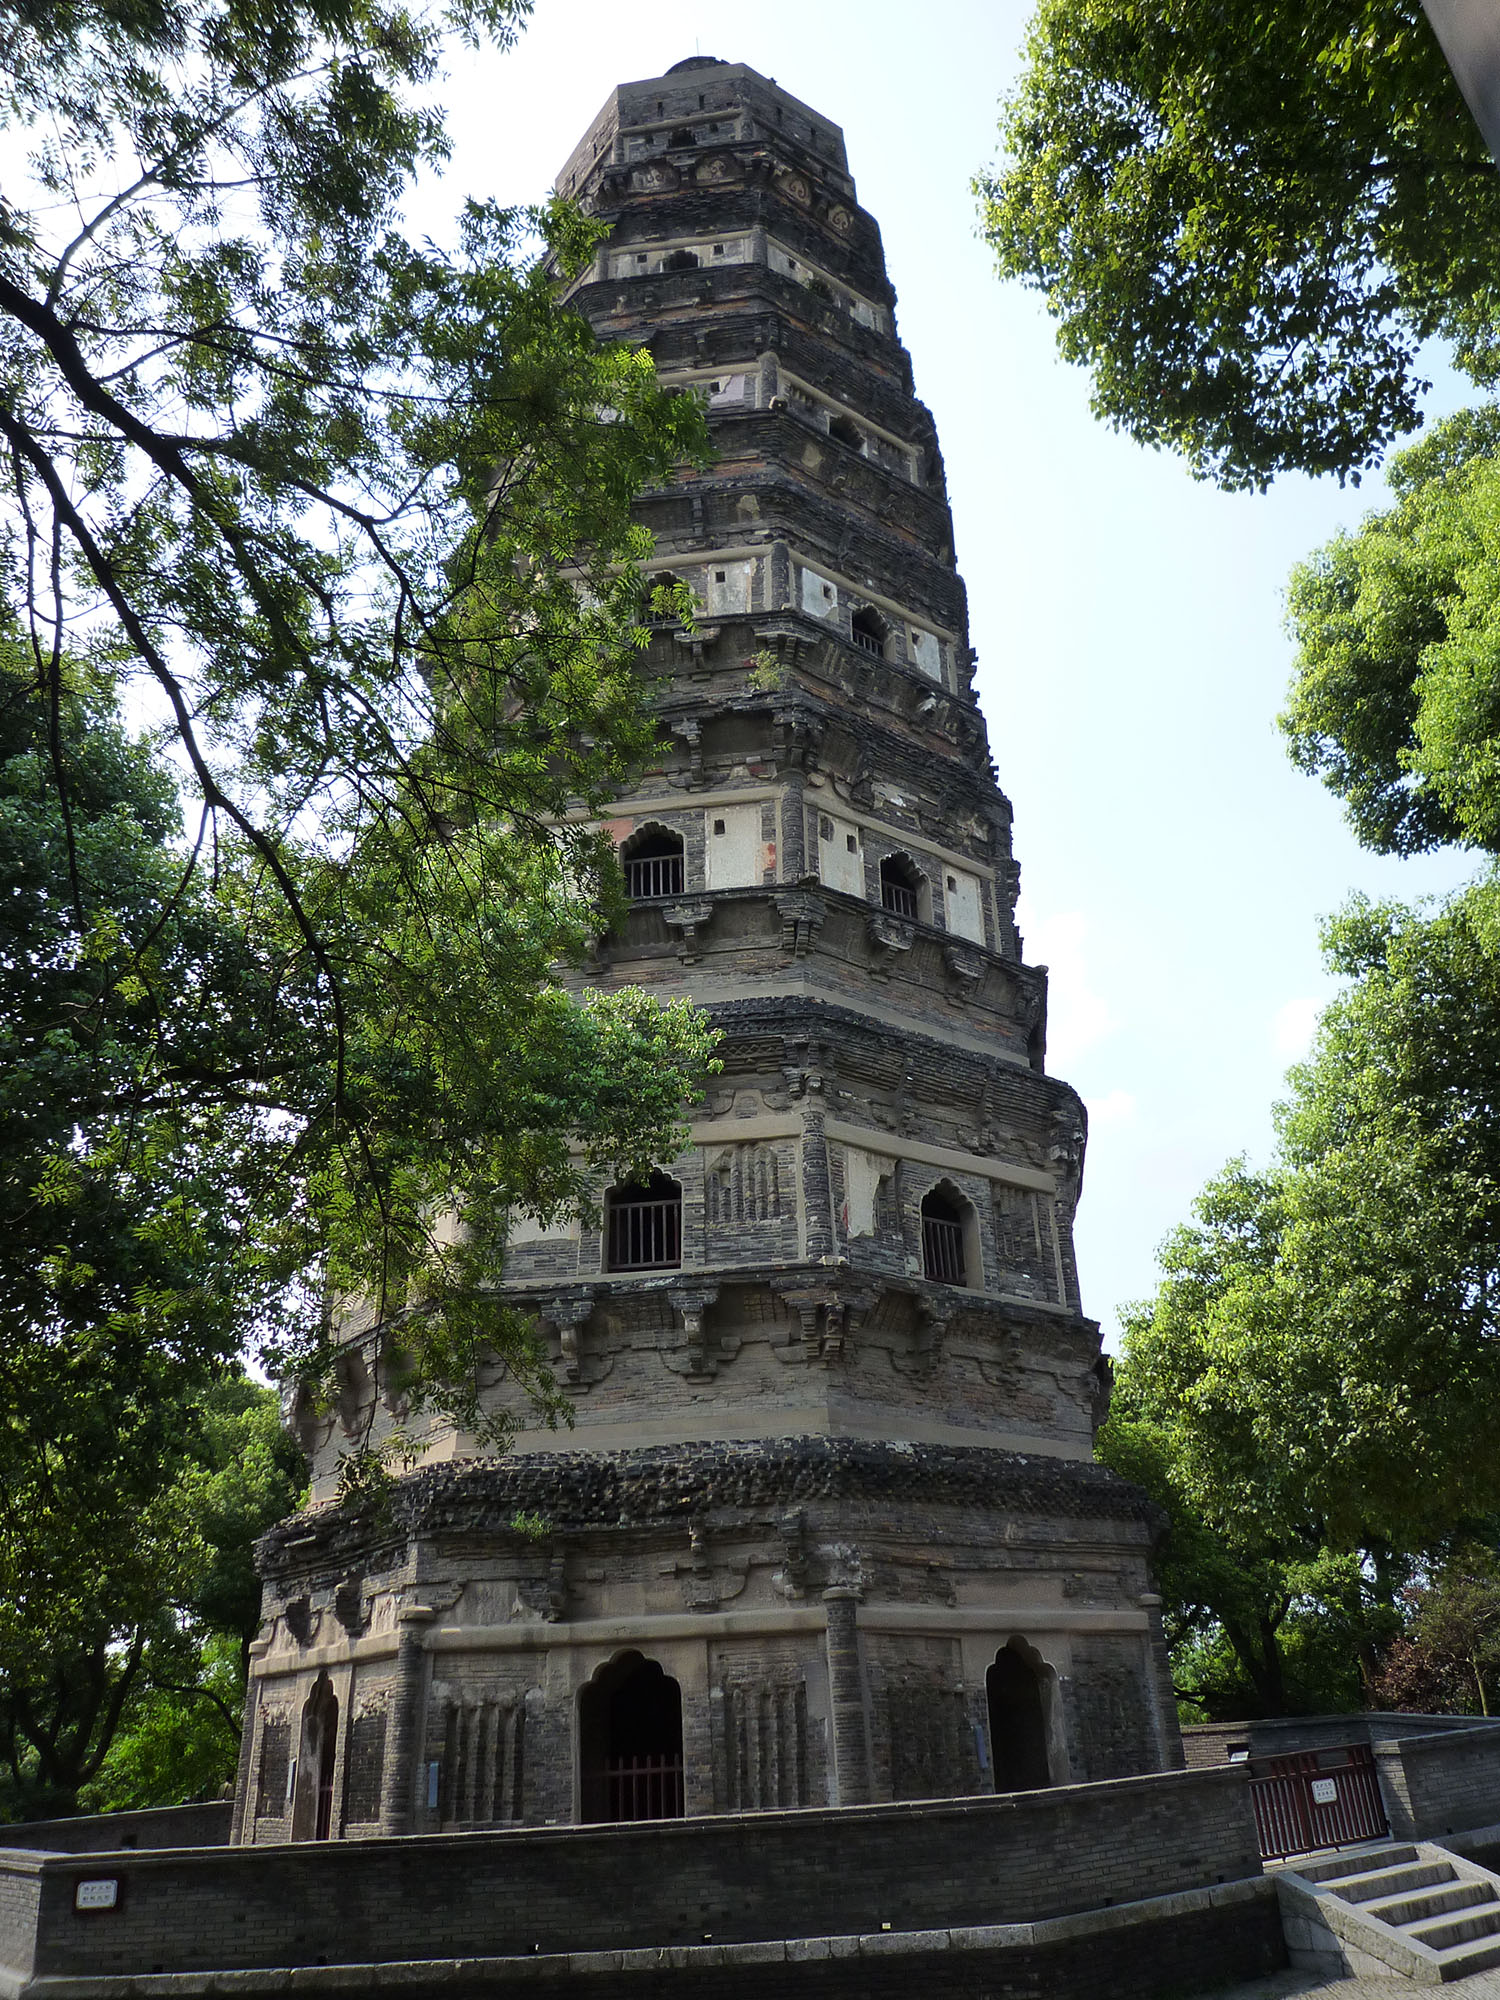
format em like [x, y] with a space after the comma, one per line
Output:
[1441, 1783]
[1156, 1950]
[944, 1863]
[105, 1833]
[1206, 1745]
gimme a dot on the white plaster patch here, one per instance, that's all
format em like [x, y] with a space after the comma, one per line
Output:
[964, 900]
[841, 865]
[734, 847]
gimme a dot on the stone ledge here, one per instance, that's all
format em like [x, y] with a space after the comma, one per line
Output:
[625, 1489]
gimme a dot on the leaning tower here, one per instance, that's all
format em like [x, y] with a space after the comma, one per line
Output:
[828, 1529]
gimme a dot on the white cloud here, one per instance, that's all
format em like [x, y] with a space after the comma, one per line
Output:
[1077, 1016]
[1114, 1108]
[1292, 1029]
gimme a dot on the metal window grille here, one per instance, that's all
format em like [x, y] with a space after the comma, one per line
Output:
[643, 1787]
[868, 643]
[645, 1235]
[897, 898]
[943, 1249]
[650, 876]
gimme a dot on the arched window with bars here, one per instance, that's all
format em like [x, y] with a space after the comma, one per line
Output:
[653, 864]
[950, 1237]
[643, 1225]
[903, 888]
[869, 630]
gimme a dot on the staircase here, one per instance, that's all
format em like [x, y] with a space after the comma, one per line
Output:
[1409, 1907]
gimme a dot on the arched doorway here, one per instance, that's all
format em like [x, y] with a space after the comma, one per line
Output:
[320, 1737]
[1018, 1724]
[630, 1742]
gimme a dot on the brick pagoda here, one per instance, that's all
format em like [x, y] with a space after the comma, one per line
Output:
[828, 1528]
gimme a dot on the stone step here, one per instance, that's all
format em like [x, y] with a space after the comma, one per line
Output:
[1445, 1932]
[1353, 1861]
[1383, 1883]
[1428, 1915]
[1431, 1903]
[1480, 1956]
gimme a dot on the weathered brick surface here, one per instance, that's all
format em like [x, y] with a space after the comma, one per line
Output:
[1440, 1783]
[846, 918]
[768, 1876]
[100, 1833]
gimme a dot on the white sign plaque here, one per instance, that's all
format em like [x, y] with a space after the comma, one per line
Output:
[1324, 1791]
[99, 1895]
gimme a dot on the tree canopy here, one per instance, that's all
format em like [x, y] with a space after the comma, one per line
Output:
[1395, 699]
[349, 519]
[124, 1646]
[1310, 1391]
[1246, 220]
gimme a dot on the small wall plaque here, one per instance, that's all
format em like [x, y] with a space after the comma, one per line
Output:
[99, 1895]
[1324, 1791]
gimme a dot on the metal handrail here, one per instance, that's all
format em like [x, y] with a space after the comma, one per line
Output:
[897, 898]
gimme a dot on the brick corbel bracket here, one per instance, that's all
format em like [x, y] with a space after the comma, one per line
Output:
[796, 737]
[801, 913]
[792, 1579]
[965, 971]
[828, 1316]
[707, 1584]
[933, 1317]
[689, 732]
[697, 643]
[889, 936]
[566, 1315]
[703, 1352]
[688, 919]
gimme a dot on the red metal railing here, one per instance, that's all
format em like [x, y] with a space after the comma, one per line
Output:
[645, 1235]
[643, 1787]
[1316, 1798]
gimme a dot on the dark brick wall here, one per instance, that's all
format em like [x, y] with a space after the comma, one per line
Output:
[1207, 1744]
[820, 1873]
[204, 1825]
[1437, 1784]
[1108, 1705]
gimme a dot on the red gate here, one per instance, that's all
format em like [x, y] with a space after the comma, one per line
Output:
[1316, 1798]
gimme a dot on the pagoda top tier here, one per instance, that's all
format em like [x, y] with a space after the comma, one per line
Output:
[696, 103]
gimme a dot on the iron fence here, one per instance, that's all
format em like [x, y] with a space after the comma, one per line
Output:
[645, 1235]
[1316, 1798]
[652, 875]
[643, 1787]
[943, 1249]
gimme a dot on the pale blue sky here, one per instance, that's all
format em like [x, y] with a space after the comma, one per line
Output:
[1128, 620]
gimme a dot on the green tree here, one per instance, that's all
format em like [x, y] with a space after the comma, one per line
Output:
[131, 1694]
[1310, 1391]
[352, 517]
[1395, 699]
[1263, 1616]
[1449, 1659]
[1246, 220]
